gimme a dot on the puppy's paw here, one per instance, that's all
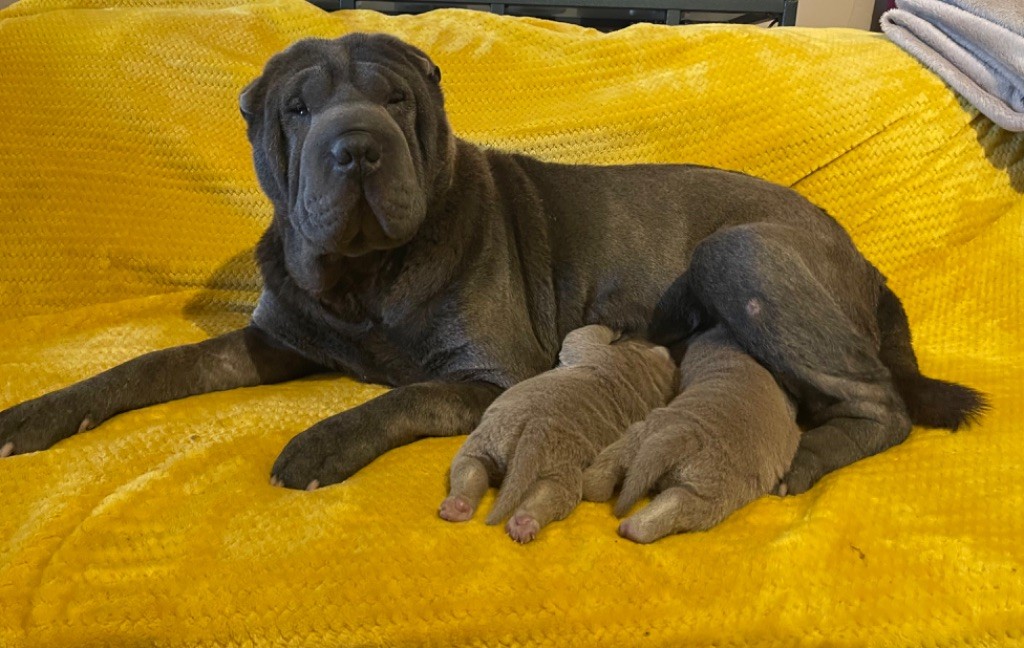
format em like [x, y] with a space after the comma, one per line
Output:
[605, 474]
[522, 528]
[456, 508]
[634, 531]
[598, 485]
[677, 509]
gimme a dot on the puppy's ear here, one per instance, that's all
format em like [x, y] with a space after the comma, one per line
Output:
[248, 101]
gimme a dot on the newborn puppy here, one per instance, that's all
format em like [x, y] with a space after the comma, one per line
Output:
[727, 439]
[541, 433]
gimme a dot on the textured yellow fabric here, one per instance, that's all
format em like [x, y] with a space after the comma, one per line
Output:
[128, 209]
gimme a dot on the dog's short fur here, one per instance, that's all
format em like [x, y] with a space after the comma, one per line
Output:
[727, 439]
[401, 254]
[539, 435]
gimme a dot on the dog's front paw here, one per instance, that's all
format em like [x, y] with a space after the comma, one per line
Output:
[803, 473]
[327, 453]
[39, 423]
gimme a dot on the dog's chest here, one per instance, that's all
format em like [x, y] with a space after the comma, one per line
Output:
[395, 337]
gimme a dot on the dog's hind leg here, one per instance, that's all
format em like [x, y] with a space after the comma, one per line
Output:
[802, 303]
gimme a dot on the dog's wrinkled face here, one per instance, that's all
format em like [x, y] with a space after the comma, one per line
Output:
[351, 144]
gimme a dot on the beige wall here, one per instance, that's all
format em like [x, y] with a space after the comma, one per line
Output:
[834, 13]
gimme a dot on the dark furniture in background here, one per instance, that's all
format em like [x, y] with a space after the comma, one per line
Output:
[601, 14]
[881, 6]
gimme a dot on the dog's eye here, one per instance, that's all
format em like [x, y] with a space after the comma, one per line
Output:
[397, 97]
[297, 107]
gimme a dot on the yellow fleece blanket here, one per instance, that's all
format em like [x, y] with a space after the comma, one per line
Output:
[128, 211]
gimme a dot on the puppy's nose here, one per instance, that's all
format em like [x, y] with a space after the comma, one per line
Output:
[356, 153]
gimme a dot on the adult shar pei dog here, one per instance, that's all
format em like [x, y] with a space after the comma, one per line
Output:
[401, 254]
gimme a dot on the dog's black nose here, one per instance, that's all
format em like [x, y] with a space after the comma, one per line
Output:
[356, 153]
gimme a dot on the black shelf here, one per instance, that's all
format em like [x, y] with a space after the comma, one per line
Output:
[602, 14]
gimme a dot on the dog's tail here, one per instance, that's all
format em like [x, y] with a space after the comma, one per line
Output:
[523, 471]
[678, 315]
[930, 402]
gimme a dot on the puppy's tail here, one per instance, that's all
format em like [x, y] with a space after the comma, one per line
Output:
[930, 402]
[523, 471]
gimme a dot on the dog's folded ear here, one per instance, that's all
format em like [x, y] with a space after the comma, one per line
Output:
[425, 64]
[248, 99]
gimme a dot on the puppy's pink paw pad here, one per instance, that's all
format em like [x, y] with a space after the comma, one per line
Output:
[523, 528]
[7, 449]
[455, 509]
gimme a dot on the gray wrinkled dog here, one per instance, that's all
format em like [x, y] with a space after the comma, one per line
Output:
[401, 254]
[727, 439]
[540, 434]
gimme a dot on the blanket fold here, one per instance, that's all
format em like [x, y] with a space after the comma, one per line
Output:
[976, 46]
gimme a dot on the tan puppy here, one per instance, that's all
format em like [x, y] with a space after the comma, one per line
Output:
[727, 439]
[541, 433]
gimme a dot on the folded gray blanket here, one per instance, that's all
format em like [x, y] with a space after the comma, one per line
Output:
[976, 46]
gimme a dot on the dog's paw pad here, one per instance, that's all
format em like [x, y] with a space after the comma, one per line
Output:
[455, 509]
[313, 485]
[523, 528]
[7, 450]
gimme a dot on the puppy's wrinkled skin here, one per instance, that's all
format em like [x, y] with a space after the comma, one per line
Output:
[727, 439]
[539, 435]
[403, 255]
